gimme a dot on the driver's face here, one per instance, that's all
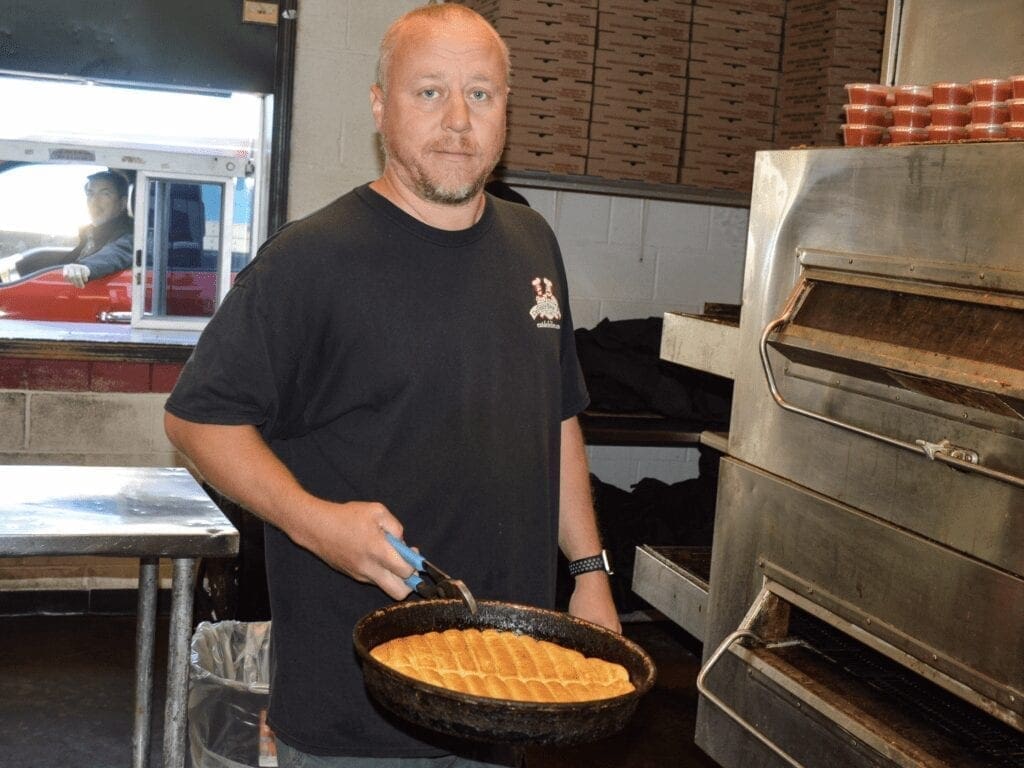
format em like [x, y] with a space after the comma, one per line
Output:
[103, 201]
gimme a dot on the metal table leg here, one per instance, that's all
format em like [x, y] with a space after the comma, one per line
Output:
[145, 633]
[175, 713]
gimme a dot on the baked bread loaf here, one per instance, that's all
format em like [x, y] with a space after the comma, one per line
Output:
[503, 665]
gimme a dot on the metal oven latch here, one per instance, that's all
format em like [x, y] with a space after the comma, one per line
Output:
[946, 448]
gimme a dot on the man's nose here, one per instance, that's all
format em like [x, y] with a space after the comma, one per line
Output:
[456, 115]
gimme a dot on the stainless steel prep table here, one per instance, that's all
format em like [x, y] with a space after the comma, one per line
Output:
[146, 513]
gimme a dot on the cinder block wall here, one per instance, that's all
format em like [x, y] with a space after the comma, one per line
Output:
[626, 257]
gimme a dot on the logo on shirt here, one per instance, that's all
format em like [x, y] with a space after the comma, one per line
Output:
[545, 309]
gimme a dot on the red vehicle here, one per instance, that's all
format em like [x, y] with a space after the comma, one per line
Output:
[46, 295]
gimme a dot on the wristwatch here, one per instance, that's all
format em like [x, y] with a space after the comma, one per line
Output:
[598, 562]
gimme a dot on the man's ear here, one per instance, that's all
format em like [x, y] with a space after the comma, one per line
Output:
[377, 104]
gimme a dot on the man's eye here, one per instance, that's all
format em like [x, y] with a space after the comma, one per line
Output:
[479, 95]
[429, 93]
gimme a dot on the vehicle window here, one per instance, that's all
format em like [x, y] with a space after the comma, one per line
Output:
[198, 236]
[42, 206]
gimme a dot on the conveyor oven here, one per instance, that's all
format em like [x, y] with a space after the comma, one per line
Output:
[864, 603]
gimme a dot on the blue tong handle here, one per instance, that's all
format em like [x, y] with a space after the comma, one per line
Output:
[411, 556]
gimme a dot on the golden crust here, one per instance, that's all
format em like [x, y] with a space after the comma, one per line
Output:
[503, 665]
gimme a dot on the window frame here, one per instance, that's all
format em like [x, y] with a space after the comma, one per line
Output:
[143, 179]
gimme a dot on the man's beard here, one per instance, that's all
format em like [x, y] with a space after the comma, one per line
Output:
[435, 191]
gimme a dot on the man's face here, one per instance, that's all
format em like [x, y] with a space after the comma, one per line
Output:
[103, 201]
[443, 116]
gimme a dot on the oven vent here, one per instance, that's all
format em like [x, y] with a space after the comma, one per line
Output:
[959, 347]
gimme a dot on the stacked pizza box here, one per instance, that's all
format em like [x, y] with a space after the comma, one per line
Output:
[552, 48]
[733, 72]
[828, 43]
[638, 112]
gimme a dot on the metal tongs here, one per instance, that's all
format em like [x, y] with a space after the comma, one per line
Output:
[438, 583]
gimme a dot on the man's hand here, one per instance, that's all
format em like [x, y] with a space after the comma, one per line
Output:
[76, 274]
[592, 601]
[350, 538]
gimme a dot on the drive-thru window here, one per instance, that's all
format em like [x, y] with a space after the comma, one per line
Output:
[196, 168]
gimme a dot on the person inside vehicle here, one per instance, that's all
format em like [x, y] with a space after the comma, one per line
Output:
[384, 366]
[104, 246]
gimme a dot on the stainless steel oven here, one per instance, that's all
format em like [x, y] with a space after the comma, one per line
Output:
[864, 604]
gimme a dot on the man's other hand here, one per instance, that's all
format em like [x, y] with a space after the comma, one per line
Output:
[76, 274]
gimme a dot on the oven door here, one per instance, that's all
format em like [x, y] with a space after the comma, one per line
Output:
[837, 638]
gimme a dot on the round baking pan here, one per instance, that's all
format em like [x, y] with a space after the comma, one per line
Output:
[499, 720]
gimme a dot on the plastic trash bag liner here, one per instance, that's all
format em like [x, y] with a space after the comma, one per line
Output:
[229, 692]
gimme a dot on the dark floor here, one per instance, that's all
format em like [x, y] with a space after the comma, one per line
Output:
[66, 698]
[660, 735]
[66, 689]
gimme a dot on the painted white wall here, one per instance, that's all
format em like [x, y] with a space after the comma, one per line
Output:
[626, 257]
[633, 258]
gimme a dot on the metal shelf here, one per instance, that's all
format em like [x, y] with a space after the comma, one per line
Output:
[651, 191]
[649, 429]
[675, 581]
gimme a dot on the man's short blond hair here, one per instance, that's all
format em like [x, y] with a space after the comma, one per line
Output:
[434, 12]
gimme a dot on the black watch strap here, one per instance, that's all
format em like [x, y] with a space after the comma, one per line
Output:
[598, 562]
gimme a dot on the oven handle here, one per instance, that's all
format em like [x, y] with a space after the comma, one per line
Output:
[743, 633]
[944, 451]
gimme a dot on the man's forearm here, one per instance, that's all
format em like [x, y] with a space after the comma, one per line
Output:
[112, 257]
[578, 535]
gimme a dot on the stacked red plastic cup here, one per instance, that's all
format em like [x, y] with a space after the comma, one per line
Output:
[989, 110]
[1015, 128]
[984, 109]
[867, 115]
[950, 111]
[910, 114]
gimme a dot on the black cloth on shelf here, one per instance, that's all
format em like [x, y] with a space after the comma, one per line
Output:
[625, 374]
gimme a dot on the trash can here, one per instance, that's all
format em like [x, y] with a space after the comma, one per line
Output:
[229, 691]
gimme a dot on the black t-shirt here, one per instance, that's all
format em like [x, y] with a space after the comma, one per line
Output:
[385, 360]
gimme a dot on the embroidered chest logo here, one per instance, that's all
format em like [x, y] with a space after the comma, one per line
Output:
[545, 309]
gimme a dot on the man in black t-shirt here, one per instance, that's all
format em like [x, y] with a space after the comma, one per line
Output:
[400, 361]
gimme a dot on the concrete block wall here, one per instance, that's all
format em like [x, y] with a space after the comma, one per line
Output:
[84, 428]
[91, 413]
[626, 257]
